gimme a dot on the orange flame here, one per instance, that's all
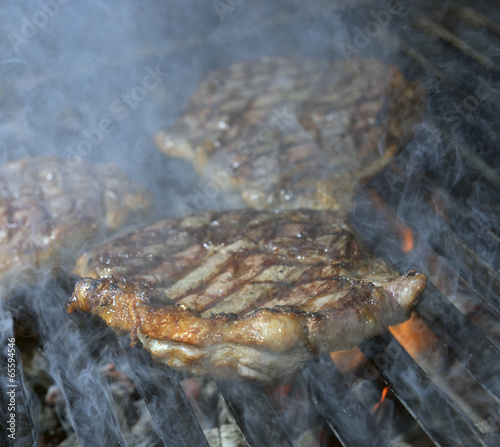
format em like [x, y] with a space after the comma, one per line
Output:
[347, 360]
[414, 335]
[407, 236]
[380, 402]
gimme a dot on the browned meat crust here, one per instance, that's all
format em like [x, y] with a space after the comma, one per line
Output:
[50, 212]
[296, 133]
[244, 293]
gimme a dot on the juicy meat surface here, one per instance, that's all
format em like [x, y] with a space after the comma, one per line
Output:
[50, 212]
[294, 134]
[243, 293]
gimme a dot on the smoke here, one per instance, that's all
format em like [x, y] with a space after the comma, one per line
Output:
[94, 81]
[71, 358]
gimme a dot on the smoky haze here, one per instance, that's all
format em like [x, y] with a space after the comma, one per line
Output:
[96, 81]
[93, 81]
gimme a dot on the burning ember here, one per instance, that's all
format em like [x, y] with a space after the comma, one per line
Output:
[415, 336]
[407, 237]
[381, 401]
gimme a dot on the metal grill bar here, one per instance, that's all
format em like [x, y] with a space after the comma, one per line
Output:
[174, 420]
[79, 399]
[437, 30]
[346, 416]
[254, 413]
[67, 356]
[446, 241]
[471, 234]
[469, 346]
[457, 75]
[461, 220]
[175, 423]
[475, 18]
[385, 36]
[476, 162]
[23, 423]
[437, 416]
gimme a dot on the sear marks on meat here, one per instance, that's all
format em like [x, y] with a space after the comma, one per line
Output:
[243, 293]
[296, 133]
[49, 212]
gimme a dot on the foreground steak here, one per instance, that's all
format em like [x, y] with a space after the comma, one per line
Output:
[243, 292]
[296, 133]
[49, 212]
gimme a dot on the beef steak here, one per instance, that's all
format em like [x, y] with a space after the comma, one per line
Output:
[243, 293]
[49, 212]
[296, 133]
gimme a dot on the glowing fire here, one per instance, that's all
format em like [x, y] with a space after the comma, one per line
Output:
[407, 236]
[381, 401]
[347, 360]
[414, 335]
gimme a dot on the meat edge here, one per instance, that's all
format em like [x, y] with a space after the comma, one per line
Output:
[261, 345]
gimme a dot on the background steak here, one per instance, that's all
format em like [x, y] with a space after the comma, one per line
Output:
[296, 133]
[50, 212]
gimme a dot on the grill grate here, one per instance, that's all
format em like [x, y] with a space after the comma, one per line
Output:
[346, 411]
[459, 233]
[24, 427]
[444, 424]
[467, 343]
[254, 413]
[474, 351]
[175, 423]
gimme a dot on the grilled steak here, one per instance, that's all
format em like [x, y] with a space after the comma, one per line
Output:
[296, 133]
[248, 293]
[49, 212]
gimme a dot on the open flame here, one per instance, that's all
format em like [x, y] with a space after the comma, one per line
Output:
[407, 243]
[414, 335]
[405, 233]
[347, 360]
[381, 401]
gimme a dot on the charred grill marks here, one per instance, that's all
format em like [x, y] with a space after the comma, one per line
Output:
[330, 123]
[49, 212]
[278, 288]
